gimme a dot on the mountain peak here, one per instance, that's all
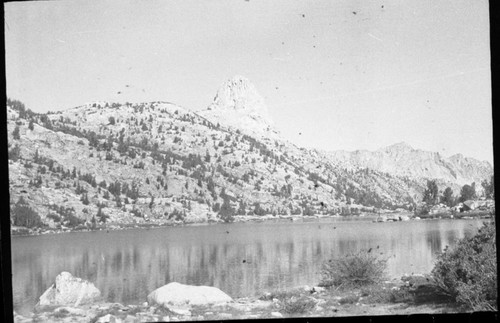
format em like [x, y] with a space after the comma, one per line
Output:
[401, 144]
[398, 147]
[238, 104]
[238, 93]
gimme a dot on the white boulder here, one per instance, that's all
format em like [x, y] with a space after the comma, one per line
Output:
[179, 295]
[69, 290]
[108, 318]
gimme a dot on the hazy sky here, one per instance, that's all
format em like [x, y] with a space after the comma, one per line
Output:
[335, 74]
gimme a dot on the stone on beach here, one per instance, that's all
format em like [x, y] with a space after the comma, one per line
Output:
[179, 295]
[108, 318]
[69, 290]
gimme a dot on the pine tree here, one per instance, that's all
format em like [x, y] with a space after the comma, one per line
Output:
[226, 213]
[448, 198]
[431, 193]
[101, 215]
[118, 201]
[241, 208]
[468, 192]
[85, 199]
[489, 188]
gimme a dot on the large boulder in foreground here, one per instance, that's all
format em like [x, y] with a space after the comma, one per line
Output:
[179, 295]
[69, 290]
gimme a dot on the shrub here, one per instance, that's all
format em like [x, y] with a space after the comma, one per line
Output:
[353, 270]
[298, 305]
[15, 153]
[136, 213]
[468, 272]
[25, 216]
[293, 301]
[72, 220]
[380, 294]
[349, 299]
[54, 217]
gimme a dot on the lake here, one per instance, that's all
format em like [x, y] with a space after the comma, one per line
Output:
[242, 259]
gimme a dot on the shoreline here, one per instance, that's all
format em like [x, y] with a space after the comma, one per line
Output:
[152, 224]
[398, 296]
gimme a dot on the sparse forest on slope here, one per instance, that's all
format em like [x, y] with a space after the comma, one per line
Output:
[125, 163]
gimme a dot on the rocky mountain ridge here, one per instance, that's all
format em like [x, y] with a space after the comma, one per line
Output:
[403, 160]
[127, 163]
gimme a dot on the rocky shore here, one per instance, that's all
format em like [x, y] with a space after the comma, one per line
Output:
[72, 299]
[155, 223]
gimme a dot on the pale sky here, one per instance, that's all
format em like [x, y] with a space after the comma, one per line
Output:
[335, 74]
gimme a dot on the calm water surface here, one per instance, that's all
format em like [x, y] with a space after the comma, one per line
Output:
[242, 259]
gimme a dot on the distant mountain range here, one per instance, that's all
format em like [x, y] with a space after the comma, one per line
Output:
[402, 160]
[162, 161]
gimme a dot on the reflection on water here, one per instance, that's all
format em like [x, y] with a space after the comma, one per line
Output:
[241, 259]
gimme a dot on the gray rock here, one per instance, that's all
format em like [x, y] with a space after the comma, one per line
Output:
[132, 319]
[179, 310]
[225, 316]
[258, 304]
[276, 314]
[69, 290]
[70, 311]
[318, 289]
[109, 319]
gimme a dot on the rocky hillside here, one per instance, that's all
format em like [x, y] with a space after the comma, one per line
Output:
[122, 163]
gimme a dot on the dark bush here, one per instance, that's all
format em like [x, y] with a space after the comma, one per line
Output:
[15, 133]
[468, 272]
[353, 270]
